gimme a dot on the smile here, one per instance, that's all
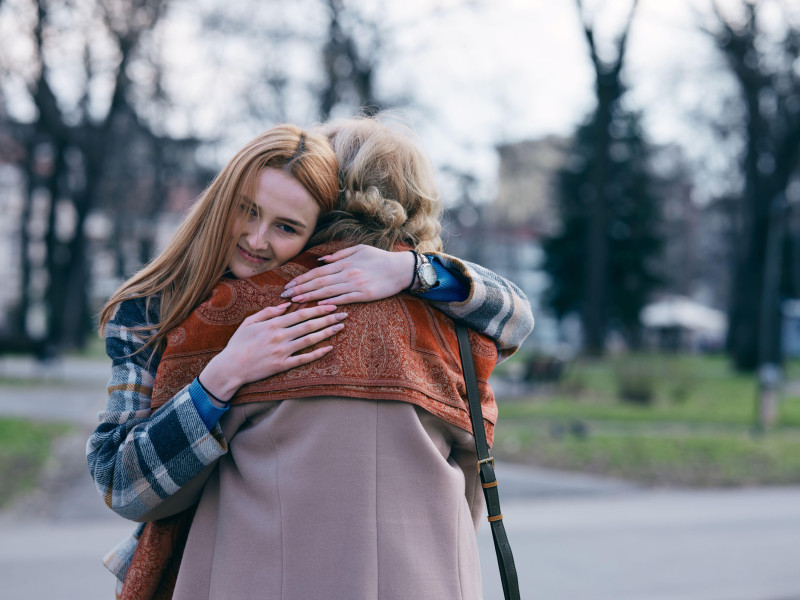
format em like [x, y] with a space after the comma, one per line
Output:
[250, 257]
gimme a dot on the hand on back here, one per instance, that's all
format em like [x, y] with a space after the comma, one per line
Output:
[357, 274]
[265, 344]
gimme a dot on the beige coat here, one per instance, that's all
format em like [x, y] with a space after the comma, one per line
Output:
[337, 499]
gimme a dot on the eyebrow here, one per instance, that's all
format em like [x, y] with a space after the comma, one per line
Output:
[293, 222]
[288, 220]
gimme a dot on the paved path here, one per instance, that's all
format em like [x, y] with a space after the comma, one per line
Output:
[662, 545]
[575, 537]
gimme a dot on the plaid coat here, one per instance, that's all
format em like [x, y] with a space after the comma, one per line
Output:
[138, 458]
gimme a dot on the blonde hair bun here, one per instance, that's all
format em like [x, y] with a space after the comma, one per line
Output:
[388, 193]
[372, 206]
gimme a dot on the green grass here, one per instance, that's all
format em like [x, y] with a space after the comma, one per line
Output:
[695, 429]
[732, 458]
[694, 389]
[6, 381]
[24, 447]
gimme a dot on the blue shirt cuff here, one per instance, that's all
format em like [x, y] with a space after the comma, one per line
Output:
[208, 412]
[450, 288]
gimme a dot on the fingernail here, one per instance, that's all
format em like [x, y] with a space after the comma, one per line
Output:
[289, 285]
[284, 305]
[338, 327]
[286, 294]
[321, 258]
[341, 316]
[330, 307]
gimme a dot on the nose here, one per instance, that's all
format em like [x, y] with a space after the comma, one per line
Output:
[257, 236]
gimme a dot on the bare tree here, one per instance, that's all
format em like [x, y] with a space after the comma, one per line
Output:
[349, 50]
[764, 66]
[349, 66]
[609, 89]
[69, 143]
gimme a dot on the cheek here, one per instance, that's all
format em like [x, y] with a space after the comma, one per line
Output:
[238, 230]
[288, 249]
[296, 246]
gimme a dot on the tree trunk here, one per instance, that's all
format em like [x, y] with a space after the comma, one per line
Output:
[19, 325]
[58, 259]
[595, 309]
[78, 322]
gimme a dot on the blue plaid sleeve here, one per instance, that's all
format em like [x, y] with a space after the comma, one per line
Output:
[138, 458]
[449, 288]
[495, 307]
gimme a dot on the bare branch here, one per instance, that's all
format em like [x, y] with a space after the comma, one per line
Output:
[588, 31]
[623, 39]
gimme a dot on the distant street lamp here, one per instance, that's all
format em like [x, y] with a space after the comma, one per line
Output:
[769, 383]
[769, 351]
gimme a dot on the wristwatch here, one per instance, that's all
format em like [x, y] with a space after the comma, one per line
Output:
[426, 275]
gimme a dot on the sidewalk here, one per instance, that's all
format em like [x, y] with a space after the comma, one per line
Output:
[69, 389]
[574, 536]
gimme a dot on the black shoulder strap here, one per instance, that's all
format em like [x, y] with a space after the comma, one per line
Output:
[505, 559]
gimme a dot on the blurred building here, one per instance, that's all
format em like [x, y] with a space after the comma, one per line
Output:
[505, 234]
[697, 254]
[526, 196]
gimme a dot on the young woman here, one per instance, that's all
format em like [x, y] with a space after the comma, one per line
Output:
[292, 176]
[259, 212]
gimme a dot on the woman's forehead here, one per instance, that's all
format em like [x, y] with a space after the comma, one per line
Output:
[277, 192]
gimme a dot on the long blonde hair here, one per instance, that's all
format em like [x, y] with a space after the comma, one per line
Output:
[184, 274]
[388, 192]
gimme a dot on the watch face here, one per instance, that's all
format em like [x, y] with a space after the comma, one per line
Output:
[427, 274]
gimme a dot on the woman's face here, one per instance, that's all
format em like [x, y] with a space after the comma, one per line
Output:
[278, 223]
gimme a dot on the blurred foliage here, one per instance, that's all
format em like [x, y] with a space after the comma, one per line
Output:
[641, 377]
[631, 238]
[636, 381]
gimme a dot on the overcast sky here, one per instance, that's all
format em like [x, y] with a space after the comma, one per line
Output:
[478, 72]
[520, 69]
